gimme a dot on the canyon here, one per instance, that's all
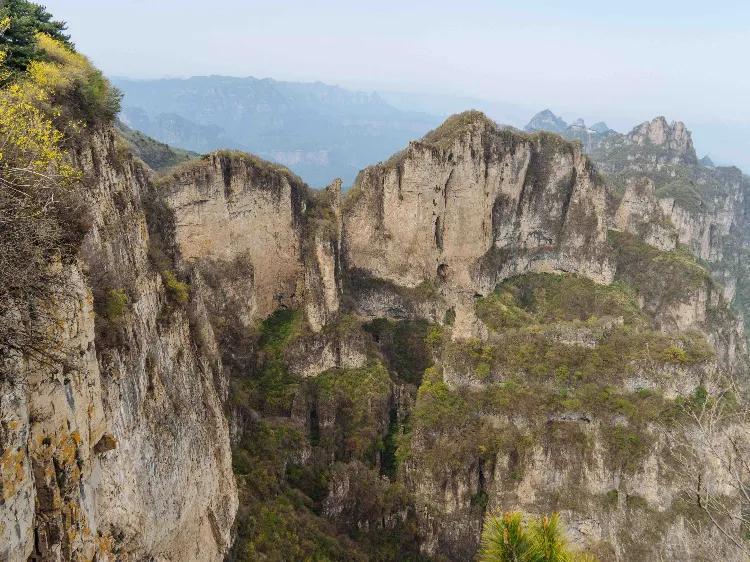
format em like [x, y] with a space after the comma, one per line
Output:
[236, 366]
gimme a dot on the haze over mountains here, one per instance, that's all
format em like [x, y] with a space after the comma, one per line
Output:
[322, 131]
[318, 131]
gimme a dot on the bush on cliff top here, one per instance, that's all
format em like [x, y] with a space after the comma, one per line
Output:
[78, 91]
[549, 297]
[444, 135]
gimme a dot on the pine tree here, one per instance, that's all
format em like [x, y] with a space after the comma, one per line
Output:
[507, 539]
[18, 38]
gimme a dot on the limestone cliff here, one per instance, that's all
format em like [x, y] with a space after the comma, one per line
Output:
[114, 440]
[227, 205]
[471, 204]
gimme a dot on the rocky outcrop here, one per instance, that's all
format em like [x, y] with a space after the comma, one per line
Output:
[471, 204]
[231, 204]
[323, 267]
[589, 137]
[546, 121]
[114, 441]
[640, 214]
[706, 204]
[673, 137]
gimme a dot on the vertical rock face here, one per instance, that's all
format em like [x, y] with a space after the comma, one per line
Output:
[167, 490]
[227, 205]
[115, 445]
[323, 275]
[53, 416]
[471, 204]
[639, 213]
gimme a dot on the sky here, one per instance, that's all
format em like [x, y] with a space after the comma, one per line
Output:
[621, 62]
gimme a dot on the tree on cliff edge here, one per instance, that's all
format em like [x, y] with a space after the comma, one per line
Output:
[18, 38]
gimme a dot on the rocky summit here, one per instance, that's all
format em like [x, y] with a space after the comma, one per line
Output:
[215, 361]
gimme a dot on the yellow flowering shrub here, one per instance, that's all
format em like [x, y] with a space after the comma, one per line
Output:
[36, 175]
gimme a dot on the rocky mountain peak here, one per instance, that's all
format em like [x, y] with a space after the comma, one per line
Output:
[455, 125]
[672, 136]
[546, 121]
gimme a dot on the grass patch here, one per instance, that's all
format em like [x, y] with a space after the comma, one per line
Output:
[548, 297]
[662, 278]
[452, 128]
[268, 386]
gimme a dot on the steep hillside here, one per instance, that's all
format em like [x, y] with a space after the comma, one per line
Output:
[707, 206]
[113, 439]
[154, 153]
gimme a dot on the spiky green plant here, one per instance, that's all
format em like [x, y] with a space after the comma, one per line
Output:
[504, 539]
[507, 539]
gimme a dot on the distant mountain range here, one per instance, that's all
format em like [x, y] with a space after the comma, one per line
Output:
[319, 131]
[322, 132]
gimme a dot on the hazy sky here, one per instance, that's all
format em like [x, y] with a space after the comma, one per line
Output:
[621, 61]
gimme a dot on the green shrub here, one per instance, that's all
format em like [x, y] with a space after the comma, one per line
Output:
[279, 329]
[359, 398]
[79, 92]
[480, 500]
[437, 406]
[434, 337]
[406, 345]
[115, 304]
[177, 290]
[449, 318]
[612, 497]
[674, 354]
